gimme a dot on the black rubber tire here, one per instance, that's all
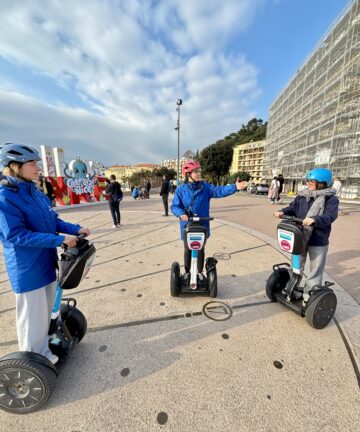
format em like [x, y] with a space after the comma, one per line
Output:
[321, 309]
[175, 279]
[75, 321]
[277, 282]
[212, 282]
[26, 396]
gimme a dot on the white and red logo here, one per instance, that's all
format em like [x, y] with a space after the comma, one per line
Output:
[195, 245]
[285, 245]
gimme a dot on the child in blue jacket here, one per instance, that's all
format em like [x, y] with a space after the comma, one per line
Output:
[193, 197]
[28, 231]
[318, 206]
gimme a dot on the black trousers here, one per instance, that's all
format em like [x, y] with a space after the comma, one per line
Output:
[187, 260]
[165, 198]
[115, 211]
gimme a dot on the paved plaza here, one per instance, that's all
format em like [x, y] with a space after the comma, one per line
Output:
[151, 362]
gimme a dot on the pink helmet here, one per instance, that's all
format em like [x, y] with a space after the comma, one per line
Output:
[189, 166]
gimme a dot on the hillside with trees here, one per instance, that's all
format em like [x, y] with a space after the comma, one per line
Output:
[216, 158]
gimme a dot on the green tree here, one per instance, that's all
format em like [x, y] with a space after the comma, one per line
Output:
[241, 175]
[216, 159]
[138, 177]
[164, 171]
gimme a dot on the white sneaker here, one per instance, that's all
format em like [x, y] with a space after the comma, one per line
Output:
[114, 226]
[201, 276]
[305, 299]
[53, 358]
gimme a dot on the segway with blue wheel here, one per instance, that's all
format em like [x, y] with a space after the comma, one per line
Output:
[283, 285]
[195, 235]
[27, 379]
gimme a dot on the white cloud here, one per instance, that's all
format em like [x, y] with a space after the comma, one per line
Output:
[130, 61]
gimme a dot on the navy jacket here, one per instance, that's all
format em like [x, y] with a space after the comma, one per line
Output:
[322, 228]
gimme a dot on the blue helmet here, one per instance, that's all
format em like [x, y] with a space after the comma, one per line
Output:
[321, 175]
[12, 152]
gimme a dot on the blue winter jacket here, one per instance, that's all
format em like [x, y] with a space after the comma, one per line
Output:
[194, 198]
[28, 231]
[322, 227]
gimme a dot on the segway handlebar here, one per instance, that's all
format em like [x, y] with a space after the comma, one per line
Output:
[292, 219]
[78, 238]
[200, 219]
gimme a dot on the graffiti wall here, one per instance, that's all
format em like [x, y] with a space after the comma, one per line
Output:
[74, 182]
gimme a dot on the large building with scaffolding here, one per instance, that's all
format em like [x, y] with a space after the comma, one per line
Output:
[315, 122]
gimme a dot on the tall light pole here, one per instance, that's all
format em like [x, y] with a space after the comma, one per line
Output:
[178, 104]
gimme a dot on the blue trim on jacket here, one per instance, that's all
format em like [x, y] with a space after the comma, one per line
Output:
[322, 228]
[28, 231]
[195, 198]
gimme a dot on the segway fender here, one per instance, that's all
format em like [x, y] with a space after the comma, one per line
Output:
[28, 355]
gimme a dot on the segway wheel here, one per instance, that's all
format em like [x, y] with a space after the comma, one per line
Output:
[75, 321]
[175, 279]
[212, 282]
[321, 309]
[277, 282]
[25, 385]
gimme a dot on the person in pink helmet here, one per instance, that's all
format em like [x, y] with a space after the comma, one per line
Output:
[193, 197]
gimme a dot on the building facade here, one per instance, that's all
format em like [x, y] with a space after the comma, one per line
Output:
[172, 163]
[315, 122]
[249, 157]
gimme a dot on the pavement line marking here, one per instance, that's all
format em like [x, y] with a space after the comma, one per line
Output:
[349, 350]
[131, 238]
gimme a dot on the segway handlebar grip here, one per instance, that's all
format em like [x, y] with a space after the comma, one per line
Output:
[79, 237]
[292, 219]
[199, 219]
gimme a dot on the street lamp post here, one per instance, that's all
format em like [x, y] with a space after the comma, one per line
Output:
[178, 104]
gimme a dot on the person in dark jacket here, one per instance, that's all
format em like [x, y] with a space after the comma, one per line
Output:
[281, 181]
[148, 187]
[46, 187]
[164, 193]
[116, 196]
[29, 230]
[193, 197]
[318, 206]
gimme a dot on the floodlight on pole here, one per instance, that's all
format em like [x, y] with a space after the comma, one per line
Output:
[178, 104]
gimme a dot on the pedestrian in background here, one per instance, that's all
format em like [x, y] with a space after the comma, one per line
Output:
[113, 189]
[135, 192]
[281, 181]
[148, 187]
[337, 185]
[274, 190]
[164, 193]
[46, 187]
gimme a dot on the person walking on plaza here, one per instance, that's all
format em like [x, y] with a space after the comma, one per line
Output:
[274, 190]
[318, 206]
[29, 230]
[193, 197]
[164, 193]
[281, 181]
[115, 197]
[338, 187]
[148, 187]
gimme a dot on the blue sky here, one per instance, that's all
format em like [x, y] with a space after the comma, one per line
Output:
[101, 80]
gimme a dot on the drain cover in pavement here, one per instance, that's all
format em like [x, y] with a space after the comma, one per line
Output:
[217, 311]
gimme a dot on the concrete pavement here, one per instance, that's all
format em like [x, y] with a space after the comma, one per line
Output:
[151, 362]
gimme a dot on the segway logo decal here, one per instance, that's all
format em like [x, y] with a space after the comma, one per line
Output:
[286, 240]
[195, 245]
[285, 245]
